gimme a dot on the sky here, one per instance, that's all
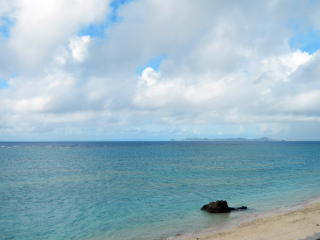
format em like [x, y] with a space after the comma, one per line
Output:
[159, 69]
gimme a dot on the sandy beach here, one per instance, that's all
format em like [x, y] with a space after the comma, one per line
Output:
[299, 224]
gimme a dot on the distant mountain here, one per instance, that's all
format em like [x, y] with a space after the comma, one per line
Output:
[262, 139]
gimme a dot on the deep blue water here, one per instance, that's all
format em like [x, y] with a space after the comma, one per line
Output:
[145, 190]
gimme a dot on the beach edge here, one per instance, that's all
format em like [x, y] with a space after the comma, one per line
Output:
[301, 222]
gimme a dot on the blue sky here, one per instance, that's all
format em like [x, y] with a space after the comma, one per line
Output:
[159, 69]
[98, 30]
[5, 25]
[153, 63]
[305, 38]
[3, 84]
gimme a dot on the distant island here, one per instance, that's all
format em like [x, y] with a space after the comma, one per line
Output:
[262, 139]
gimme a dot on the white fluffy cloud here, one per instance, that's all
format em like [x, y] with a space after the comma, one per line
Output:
[41, 27]
[228, 66]
[249, 95]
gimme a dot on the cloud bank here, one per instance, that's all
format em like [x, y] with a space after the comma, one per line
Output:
[227, 69]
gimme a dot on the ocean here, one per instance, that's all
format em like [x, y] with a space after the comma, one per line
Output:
[146, 190]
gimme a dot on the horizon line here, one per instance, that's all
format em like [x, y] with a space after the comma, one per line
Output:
[169, 140]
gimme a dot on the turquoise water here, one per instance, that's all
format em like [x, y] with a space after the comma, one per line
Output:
[145, 190]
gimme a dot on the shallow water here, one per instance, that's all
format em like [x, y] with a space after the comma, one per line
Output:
[145, 190]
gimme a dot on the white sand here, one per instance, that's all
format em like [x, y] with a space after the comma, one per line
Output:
[299, 224]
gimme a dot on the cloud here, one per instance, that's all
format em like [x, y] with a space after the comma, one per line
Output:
[227, 66]
[78, 47]
[40, 27]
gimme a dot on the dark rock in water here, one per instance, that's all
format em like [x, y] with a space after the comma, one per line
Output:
[220, 206]
[242, 208]
[239, 208]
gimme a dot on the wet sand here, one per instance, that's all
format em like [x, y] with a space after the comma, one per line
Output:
[299, 224]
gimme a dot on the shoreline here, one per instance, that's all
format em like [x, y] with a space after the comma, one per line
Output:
[298, 222]
[301, 222]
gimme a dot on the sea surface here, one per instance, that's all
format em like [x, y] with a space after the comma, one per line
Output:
[145, 190]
